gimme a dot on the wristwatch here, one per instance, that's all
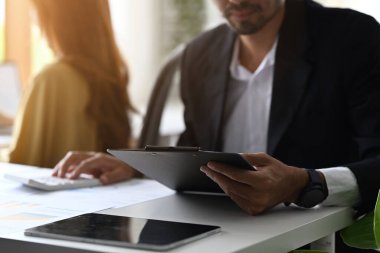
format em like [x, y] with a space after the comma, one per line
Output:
[315, 192]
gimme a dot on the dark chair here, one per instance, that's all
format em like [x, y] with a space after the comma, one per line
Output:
[150, 131]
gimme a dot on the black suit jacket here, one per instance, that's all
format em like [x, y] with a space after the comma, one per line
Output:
[325, 109]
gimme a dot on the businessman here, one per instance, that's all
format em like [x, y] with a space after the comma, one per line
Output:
[293, 85]
[299, 82]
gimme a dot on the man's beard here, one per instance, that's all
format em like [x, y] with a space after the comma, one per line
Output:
[247, 26]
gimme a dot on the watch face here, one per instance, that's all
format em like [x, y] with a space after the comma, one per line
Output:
[311, 198]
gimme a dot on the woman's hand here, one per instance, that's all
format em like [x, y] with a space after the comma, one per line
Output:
[103, 166]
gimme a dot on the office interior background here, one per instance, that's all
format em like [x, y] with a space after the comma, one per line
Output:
[146, 32]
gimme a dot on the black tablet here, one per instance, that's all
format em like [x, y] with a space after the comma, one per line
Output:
[124, 231]
[179, 167]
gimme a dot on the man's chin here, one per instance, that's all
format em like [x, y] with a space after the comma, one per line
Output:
[244, 28]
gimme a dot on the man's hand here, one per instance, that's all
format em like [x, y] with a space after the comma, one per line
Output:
[256, 191]
[105, 167]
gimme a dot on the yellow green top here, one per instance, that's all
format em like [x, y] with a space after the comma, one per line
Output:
[52, 118]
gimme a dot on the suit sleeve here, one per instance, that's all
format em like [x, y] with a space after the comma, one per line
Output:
[363, 61]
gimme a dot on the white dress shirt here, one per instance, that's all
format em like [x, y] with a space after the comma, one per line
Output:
[247, 118]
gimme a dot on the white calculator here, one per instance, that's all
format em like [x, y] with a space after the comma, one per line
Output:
[50, 183]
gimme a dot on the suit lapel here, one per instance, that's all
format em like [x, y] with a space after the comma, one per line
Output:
[216, 75]
[291, 74]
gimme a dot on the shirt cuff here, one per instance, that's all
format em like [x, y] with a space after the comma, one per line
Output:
[342, 186]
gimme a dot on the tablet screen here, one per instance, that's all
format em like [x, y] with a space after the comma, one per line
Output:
[123, 231]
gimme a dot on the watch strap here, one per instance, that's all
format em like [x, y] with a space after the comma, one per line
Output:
[315, 191]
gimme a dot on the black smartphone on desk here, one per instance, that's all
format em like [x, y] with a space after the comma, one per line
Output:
[179, 167]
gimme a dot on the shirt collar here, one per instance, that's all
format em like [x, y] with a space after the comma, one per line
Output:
[239, 72]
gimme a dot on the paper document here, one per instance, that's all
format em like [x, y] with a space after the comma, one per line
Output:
[22, 207]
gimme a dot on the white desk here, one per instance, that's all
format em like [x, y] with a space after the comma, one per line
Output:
[280, 230]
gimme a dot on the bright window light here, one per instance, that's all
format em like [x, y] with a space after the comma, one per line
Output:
[2, 28]
[370, 7]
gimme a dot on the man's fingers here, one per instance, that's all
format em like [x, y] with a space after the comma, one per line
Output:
[242, 194]
[248, 177]
[227, 184]
[258, 159]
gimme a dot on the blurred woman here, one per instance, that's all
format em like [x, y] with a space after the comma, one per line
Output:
[5, 120]
[80, 101]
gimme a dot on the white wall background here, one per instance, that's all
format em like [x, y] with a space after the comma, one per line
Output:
[135, 24]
